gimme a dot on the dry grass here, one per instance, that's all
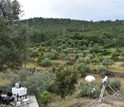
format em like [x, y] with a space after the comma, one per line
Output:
[70, 101]
[63, 62]
[33, 64]
[117, 68]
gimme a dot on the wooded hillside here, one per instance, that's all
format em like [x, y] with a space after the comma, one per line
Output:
[45, 29]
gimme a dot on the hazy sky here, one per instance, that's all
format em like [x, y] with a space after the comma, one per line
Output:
[74, 9]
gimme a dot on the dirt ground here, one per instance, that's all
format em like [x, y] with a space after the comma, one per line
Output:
[109, 101]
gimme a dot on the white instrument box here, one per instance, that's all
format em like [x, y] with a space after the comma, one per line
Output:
[19, 91]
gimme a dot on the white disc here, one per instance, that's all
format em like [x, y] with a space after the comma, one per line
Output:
[90, 78]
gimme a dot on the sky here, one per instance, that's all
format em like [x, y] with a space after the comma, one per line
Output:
[95, 10]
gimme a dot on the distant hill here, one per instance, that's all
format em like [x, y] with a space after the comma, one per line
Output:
[44, 29]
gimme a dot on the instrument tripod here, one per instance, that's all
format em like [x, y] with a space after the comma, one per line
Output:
[104, 85]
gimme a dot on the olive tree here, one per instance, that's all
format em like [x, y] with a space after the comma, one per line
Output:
[107, 62]
[65, 82]
[13, 35]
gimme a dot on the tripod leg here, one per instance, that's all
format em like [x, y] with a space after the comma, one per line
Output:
[112, 89]
[102, 93]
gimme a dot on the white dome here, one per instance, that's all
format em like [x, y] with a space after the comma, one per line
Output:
[90, 78]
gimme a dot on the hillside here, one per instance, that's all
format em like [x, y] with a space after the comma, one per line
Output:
[64, 51]
[52, 57]
[45, 29]
[61, 46]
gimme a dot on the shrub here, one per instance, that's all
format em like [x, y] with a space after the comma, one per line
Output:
[34, 54]
[89, 90]
[63, 56]
[71, 57]
[63, 46]
[83, 60]
[97, 49]
[79, 55]
[80, 60]
[100, 59]
[51, 55]
[103, 71]
[57, 68]
[45, 97]
[48, 49]
[87, 59]
[36, 83]
[115, 55]
[95, 60]
[115, 84]
[107, 62]
[59, 48]
[11, 78]
[39, 82]
[6, 86]
[82, 69]
[21, 76]
[40, 59]
[70, 50]
[46, 62]
[85, 52]
[24, 74]
[41, 49]
[69, 62]
[65, 82]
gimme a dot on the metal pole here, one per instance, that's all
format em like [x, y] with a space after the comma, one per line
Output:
[112, 89]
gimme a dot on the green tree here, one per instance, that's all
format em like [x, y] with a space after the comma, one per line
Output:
[65, 82]
[107, 62]
[10, 10]
[13, 36]
[39, 82]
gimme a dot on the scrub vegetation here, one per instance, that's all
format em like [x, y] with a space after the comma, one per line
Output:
[51, 57]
